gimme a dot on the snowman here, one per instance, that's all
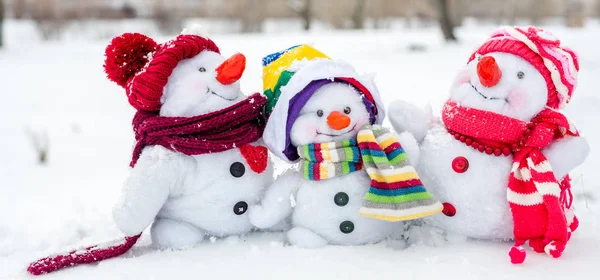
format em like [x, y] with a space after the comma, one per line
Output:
[500, 156]
[196, 164]
[321, 106]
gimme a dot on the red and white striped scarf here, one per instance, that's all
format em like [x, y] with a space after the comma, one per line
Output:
[539, 202]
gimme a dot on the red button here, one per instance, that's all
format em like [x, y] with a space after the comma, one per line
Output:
[460, 164]
[448, 209]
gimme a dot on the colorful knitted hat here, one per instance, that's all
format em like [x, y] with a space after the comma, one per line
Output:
[396, 192]
[291, 77]
[277, 72]
[557, 64]
[137, 63]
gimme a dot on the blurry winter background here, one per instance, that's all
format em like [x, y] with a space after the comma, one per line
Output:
[66, 139]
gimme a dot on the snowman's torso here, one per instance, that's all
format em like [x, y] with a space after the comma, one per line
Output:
[215, 191]
[477, 191]
[330, 209]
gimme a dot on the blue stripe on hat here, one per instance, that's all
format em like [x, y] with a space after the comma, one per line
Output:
[274, 56]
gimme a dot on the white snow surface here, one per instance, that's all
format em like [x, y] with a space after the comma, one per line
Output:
[60, 88]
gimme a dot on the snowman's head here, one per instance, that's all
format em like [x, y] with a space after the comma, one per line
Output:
[335, 112]
[502, 83]
[204, 83]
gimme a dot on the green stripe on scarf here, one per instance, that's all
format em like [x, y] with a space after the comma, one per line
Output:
[387, 200]
[398, 199]
[345, 164]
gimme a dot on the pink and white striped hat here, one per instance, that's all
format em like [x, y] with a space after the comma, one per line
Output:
[557, 64]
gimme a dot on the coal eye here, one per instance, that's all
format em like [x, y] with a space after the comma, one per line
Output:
[479, 57]
[202, 69]
[347, 110]
[237, 169]
[320, 113]
[520, 75]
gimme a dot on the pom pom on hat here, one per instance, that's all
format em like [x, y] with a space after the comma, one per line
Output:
[126, 55]
[141, 66]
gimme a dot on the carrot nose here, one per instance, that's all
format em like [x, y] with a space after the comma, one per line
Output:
[488, 71]
[231, 69]
[337, 120]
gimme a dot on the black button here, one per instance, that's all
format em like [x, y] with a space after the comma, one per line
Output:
[240, 208]
[347, 227]
[237, 169]
[341, 199]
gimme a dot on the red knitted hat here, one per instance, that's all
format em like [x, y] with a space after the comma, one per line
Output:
[141, 66]
[557, 64]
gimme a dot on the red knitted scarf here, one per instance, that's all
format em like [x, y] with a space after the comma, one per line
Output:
[234, 126]
[537, 200]
[215, 132]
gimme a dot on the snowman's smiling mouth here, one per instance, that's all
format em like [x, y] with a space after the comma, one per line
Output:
[336, 135]
[486, 97]
[208, 90]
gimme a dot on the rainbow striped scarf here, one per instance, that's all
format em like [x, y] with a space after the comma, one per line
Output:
[322, 161]
[396, 192]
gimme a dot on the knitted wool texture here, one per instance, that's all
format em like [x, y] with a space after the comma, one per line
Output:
[88, 255]
[141, 66]
[218, 131]
[322, 161]
[396, 192]
[557, 64]
[538, 201]
[275, 69]
[232, 127]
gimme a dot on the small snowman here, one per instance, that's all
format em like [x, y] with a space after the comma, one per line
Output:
[196, 164]
[500, 157]
[317, 119]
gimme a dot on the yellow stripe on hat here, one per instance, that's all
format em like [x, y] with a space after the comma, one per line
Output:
[272, 71]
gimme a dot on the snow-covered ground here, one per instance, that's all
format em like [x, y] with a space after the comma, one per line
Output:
[60, 89]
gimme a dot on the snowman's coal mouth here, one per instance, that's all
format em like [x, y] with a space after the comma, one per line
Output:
[486, 97]
[336, 135]
[208, 90]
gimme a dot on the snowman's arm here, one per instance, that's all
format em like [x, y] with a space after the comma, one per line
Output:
[145, 191]
[406, 117]
[566, 154]
[410, 146]
[278, 202]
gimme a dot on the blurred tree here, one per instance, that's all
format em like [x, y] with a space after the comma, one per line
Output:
[575, 13]
[19, 8]
[358, 15]
[1, 22]
[252, 16]
[128, 10]
[303, 8]
[445, 20]
[166, 18]
[46, 15]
